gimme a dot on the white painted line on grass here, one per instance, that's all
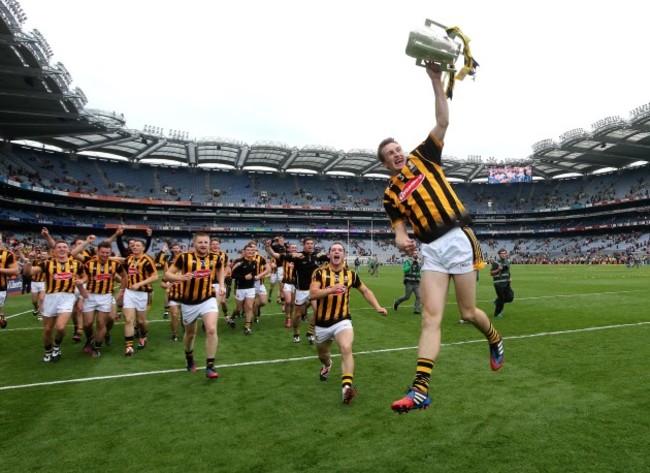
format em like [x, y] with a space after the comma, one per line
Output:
[312, 357]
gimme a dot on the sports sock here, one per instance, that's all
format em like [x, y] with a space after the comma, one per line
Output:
[346, 379]
[492, 335]
[422, 374]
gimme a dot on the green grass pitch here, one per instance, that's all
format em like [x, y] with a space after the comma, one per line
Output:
[572, 395]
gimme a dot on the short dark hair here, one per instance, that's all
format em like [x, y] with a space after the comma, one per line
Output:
[383, 143]
[105, 244]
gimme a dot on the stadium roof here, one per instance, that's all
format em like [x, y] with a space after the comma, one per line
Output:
[37, 104]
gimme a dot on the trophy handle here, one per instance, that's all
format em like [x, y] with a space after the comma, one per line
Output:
[428, 22]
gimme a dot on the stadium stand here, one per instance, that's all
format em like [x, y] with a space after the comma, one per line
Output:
[79, 170]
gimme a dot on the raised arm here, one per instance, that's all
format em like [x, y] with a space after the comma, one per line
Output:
[48, 238]
[76, 251]
[441, 104]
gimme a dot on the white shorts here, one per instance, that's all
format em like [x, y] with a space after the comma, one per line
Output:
[260, 288]
[289, 288]
[324, 334]
[137, 300]
[174, 304]
[99, 302]
[57, 303]
[302, 297]
[274, 278]
[37, 286]
[452, 253]
[191, 312]
[3, 297]
[241, 294]
[216, 288]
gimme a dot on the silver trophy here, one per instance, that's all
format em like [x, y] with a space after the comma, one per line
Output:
[430, 45]
[442, 45]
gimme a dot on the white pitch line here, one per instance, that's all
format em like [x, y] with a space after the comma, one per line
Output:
[311, 357]
[451, 301]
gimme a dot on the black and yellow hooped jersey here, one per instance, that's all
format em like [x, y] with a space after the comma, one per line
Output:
[199, 288]
[334, 307]
[139, 269]
[7, 258]
[101, 276]
[61, 277]
[422, 196]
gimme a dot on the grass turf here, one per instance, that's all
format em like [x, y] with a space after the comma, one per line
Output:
[572, 395]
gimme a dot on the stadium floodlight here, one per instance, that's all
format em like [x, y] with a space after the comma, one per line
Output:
[640, 112]
[573, 135]
[544, 145]
[607, 123]
[16, 11]
[82, 97]
[64, 73]
[43, 44]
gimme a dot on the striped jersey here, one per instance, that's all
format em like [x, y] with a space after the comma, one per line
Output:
[422, 196]
[101, 276]
[222, 262]
[334, 307]
[61, 277]
[261, 264]
[175, 291]
[288, 272]
[7, 258]
[139, 269]
[199, 288]
[40, 277]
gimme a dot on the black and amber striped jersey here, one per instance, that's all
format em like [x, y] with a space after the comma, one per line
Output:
[40, 277]
[288, 271]
[422, 196]
[7, 259]
[222, 262]
[61, 276]
[199, 288]
[101, 276]
[261, 263]
[139, 269]
[162, 260]
[175, 291]
[334, 307]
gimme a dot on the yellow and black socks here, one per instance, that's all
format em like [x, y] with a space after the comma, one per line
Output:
[492, 335]
[346, 379]
[423, 374]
